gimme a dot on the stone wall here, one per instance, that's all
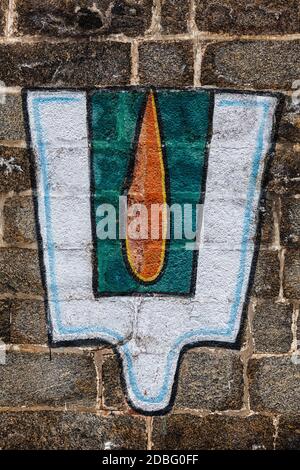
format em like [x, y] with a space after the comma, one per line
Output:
[73, 397]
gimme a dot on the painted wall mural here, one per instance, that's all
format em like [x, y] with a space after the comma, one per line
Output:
[151, 285]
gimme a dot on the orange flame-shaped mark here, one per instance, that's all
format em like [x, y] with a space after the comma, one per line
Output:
[146, 254]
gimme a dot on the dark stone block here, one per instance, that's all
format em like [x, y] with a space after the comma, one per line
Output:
[271, 328]
[266, 280]
[210, 380]
[28, 322]
[11, 118]
[253, 64]
[291, 275]
[274, 384]
[14, 169]
[267, 207]
[83, 17]
[288, 433]
[70, 431]
[85, 63]
[36, 379]
[174, 16]
[5, 306]
[185, 431]
[290, 222]
[289, 127]
[3, 12]
[285, 170]
[166, 64]
[19, 220]
[248, 16]
[113, 397]
[20, 271]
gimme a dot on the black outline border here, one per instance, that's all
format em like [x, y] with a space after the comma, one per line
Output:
[257, 242]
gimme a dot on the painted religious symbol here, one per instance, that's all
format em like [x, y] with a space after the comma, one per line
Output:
[147, 207]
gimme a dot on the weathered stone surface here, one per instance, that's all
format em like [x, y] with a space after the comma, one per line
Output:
[291, 275]
[70, 431]
[257, 64]
[174, 16]
[5, 320]
[274, 384]
[267, 220]
[285, 170]
[289, 126]
[14, 169]
[20, 271]
[272, 327]
[266, 281]
[85, 63]
[19, 220]
[28, 322]
[290, 222]
[11, 118]
[3, 10]
[177, 432]
[248, 16]
[113, 397]
[166, 64]
[78, 17]
[288, 433]
[35, 379]
[210, 380]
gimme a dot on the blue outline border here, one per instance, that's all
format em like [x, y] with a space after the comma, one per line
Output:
[37, 102]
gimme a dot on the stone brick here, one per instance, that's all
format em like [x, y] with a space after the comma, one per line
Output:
[113, 397]
[290, 222]
[3, 10]
[210, 380]
[36, 379]
[255, 64]
[20, 271]
[85, 63]
[11, 118]
[174, 16]
[70, 431]
[267, 220]
[166, 64]
[79, 17]
[291, 275]
[248, 16]
[266, 280]
[19, 221]
[5, 320]
[274, 384]
[285, 170]
[289, 126]
[214, 432]
[272, 327]
[288, 433]
[28, 322]
[14, 169]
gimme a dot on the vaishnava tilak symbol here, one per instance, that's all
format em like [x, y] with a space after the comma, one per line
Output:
[151, 297]
[146, 255]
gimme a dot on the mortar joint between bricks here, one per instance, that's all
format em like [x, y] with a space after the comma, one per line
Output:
[294, 346]
[134, 80]
[149, 431]
[155, 26]
[246, 354]
[10, 18]
[276, 430]
[98, 363]
[192, 25]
